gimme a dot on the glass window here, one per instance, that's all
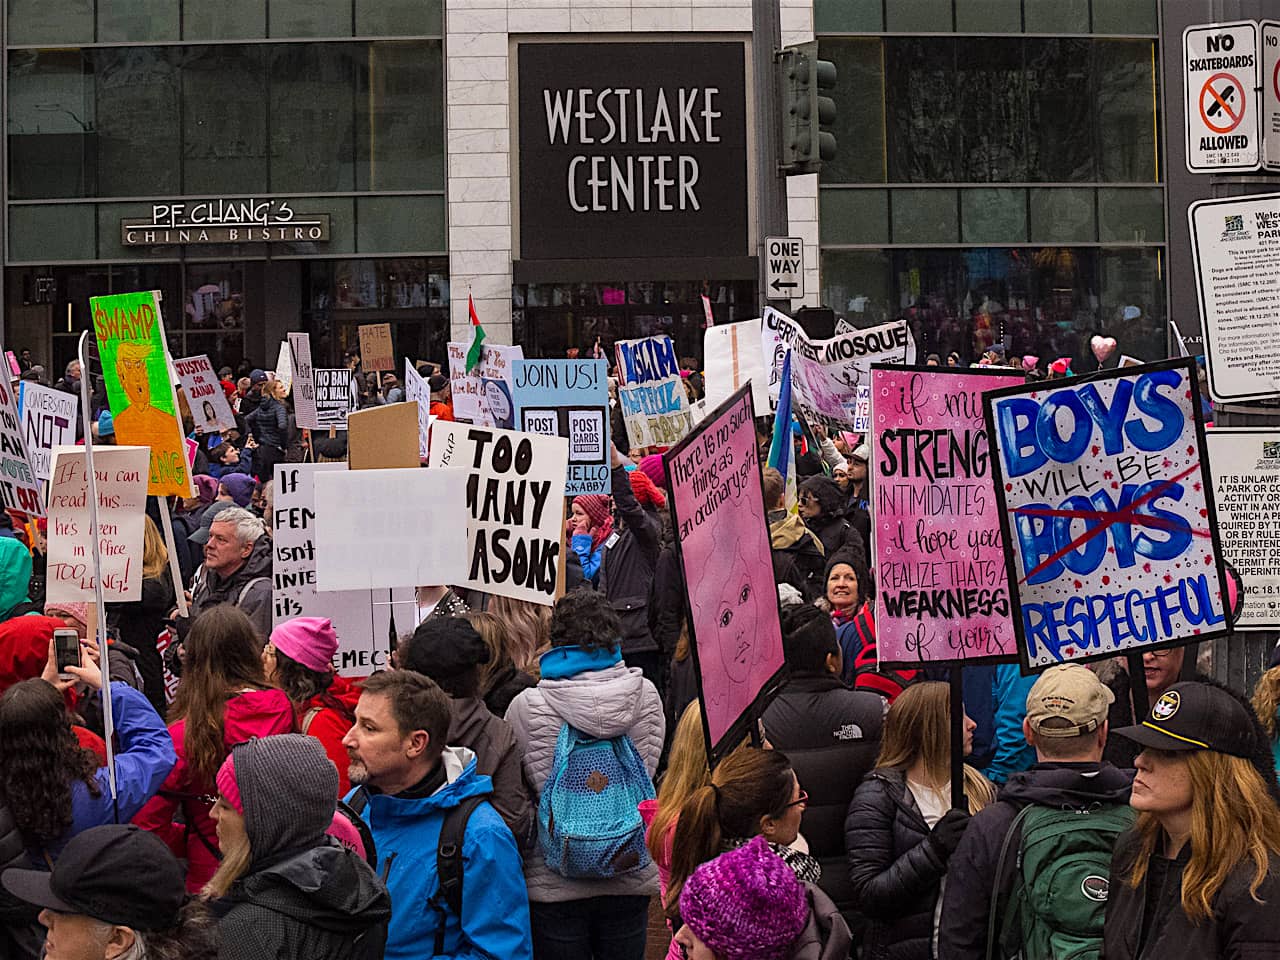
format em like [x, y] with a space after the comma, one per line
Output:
[137, 20]
[1134, 309]
[993, 216]
[139, 131]
[312, 117]
[836, 16]
[1134, 215]
[860, 94]
[223, 19]
[991, 108]
[854, 216]
[51, 122]
[309, 18]
[399, 18]
[917, 16]
[1127, 114]
[109, 246]
[1056, 16]
[50, 21]
[924, 216]
[342, 226]
[1125, 16]
[45, 233]
[856, 283]
[989, 16]
[400, 116]
[1063, 216]
[400, 224]
[920, 80]
[1061, 123]
[224, 120]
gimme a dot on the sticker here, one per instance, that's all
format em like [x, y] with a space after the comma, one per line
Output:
[1096, 888]
[1167, 705]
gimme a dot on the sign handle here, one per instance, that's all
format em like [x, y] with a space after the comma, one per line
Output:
[958, 800]
[174, 571]
[1138, 687]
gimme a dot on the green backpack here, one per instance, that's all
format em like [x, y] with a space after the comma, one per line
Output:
[1056, 908]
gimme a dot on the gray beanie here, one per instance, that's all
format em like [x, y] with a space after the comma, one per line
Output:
[289, 789]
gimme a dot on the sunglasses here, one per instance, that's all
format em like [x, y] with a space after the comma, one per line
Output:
[809, 501]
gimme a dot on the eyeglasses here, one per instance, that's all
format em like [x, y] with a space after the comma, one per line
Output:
[1161, 654]
[803, 798]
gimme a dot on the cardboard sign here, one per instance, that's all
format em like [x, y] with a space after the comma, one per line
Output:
[376, 352]
[722, 538]
[19, 486]
[484, 395]
[121, 476]
[383, 438]
[335, 399]
[284, 370]
[1220, 84]
[48, 421]
[389, 528]
[416, 390]
[304, 392]
[733, 358]
[655, 407]
[208, 403]
[515, 496]
[942, 590]
[570, 399]
[144, 405]
[1109, 526]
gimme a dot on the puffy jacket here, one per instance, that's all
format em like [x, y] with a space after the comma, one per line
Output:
[831, 735]
[896, 876]
[498, 757]
[269, 423]
[256, 713]
[627, 570]
[495, 908]
[327, 717]
[601, 701]
[1009, 691]
[249, 588]
[825, 935]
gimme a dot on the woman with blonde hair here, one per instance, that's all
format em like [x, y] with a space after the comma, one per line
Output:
[142, 621]
[500, 680]
[1266, 704]
[528, 630]
[1199, 874]
[900, 831]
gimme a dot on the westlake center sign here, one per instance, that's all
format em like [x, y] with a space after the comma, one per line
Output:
[224, 221]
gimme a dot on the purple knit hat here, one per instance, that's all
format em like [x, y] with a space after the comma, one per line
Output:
[746, 904]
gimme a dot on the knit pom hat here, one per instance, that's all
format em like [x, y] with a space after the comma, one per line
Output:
[239, 487]
[645, 490]
[746, 904]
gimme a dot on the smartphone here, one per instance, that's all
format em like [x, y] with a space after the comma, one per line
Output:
[66, 649]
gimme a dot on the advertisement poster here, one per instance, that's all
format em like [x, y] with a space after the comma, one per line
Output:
[304, 387]
[655, 407]
[48, 421]
[570, 399]
[484, 395]
[335, 397]
[942, 590]
[209, 408]
[1109, 527]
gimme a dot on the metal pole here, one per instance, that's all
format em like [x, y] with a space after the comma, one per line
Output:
[771, 187]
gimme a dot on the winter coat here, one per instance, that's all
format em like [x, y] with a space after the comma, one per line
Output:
[328, 717]
[666, 600]
[498, 757]
[504, 686]
[860, 661]
[140, 623]
[1012, 752]
[682, 689]
[25, 634]
[255, 713]
[249, 588]
[831, 735]
[896, 875]
[627, 570]
[243, 464]
[589, 556]
[835, 532]
[971, 872]
[269, 423]
[825, 935]
[1241, 928]
[797, 555]
[602, 702]
[495, 908]
[21, 934]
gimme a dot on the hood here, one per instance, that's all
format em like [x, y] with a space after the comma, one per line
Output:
[343, 689]
[15, 574]
[461, 782]
[468, 720]
[600, 703]
[258, 713]
[328, 887]
[788, 532]
[1068, 785]
[258, 564]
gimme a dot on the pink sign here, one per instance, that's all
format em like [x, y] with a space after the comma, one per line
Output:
[723, 541]
[942, 593]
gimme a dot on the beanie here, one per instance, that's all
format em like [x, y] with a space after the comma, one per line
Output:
[227, 785]
[653, 468]
[311, 641]
[76, 611]
[288, 789]
[444, 647]
[240, 487]
[645, 491]
[597, 506]
[746, 904]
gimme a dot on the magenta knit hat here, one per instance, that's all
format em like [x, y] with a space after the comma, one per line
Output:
[746, 904]
[653, 468]
[228, 786]
[311, 641]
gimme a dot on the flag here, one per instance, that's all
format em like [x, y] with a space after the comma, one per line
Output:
[780, 457]
[477, 340]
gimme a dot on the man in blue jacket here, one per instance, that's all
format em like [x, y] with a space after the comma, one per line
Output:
[407, 781]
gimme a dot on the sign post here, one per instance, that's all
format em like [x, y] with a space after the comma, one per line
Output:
[784, 266]
[1220, 81]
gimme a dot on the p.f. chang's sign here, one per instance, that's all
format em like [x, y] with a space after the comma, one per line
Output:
[224, 221]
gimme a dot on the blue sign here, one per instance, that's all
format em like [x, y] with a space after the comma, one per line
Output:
[568, 398]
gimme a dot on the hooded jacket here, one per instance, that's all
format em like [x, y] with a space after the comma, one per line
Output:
[249, 588]
[971, 872]
[24, 633]
[498, 757]
[797, 554]
[495, 908]
[327, 717]
[600, 701]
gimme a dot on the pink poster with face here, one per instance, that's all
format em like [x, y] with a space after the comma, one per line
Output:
[723, 538]
[941, 590]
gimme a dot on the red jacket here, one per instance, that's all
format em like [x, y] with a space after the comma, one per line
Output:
[320, 718]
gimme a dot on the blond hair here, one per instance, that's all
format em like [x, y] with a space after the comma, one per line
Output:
[1266, 700]
[236, 858]
[687, 770]
[155, 555]
[528, 630]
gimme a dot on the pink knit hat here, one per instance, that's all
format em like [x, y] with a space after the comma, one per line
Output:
[311, 641]
[77, 611]
[227, 785]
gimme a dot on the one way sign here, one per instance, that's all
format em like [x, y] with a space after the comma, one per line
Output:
[784, 258]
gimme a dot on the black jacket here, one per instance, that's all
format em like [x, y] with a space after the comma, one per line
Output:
[249, 588]
[834, 533]
[971, 876]
[666, 600]
[626, 572]
[505, 684]
[1148, 922]
[140, 624]
[269, 422]
[21, 935]
[895, 872]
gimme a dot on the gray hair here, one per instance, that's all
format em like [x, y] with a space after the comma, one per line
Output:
[72, 365]
[249, 527]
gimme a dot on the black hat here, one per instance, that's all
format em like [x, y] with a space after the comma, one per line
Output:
[334, 448]
[445, 647]
[119, 874]
[437, 382]
[1196, 716]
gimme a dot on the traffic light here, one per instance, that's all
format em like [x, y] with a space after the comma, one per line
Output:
[808, 112]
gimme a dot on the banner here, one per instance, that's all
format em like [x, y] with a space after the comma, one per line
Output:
[417, 391]
[570, 399]
[515, 501]
[732, 359]
[48, 421]
[484, 395]
[376, 352]
[143, 403]
[335, 397]
[304, 387]
[362, 618]
[284, 370]
[722, 538]
[19, 487]
[1110, 534]
[209, 408]
[1245, 464]
[943, 593]
[121, 475]
[655, 407]
[831, 379]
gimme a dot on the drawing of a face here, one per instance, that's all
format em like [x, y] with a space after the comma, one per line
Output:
[727, 605]
[131, 367]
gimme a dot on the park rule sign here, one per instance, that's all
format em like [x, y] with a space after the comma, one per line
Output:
[1220, 81]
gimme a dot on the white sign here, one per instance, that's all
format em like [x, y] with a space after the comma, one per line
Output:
[1220, 81]
[732, 353]
[1270, 120]
[484, 395]
[784, 267]
[1235, 245]
[19, 488]
[364, 518]
[209, 408]
[48, 421]
[416, 389]
[335, 396]
[284, 370]
[515, 504]
[304, 394]
[121, 474]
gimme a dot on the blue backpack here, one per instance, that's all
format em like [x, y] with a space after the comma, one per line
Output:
[589, 826]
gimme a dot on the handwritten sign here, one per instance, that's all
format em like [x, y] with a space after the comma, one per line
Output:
[570, 399]
[48, 421]
[655, 407]
[121, 476]
[1110, 533]
[376, 352]
[416, 390]
[943, 593]
[484, 395]
[335, 398]
[723, 542]
[284, 370]
[209, 407]
[304, 387]
[19, 486]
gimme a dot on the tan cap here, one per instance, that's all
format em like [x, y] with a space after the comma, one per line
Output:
[1070, 693]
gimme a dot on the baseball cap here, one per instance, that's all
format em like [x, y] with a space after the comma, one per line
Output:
[118, 873]
[861, 452]
[1072, 697]
[257, 376]
[1196, 716]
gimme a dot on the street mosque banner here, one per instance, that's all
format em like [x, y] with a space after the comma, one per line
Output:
[209, 408]
[655, 407]
[1107, 513]
[570, 399]
[48, 421]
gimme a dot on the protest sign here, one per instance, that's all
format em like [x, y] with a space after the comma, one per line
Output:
[515, 497]
[304, 390]
[655, 407]
[144, 405]
[723, 542]
[943, 594]
[19, 486]
[284, 371]
[733, 357]
[1110, 534]
[484, 395]
[570, 399]
[335, 396]
[15, 369]
[1245, 464]
[48, 421]
[376, 352]
[416, 390]
[209, 408]
[362, 618]
[121, 474]
[383, 438]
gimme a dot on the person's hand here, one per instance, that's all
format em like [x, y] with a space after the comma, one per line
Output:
[615, 457]
[88, 673]
[948, 831]
[89, 648]
[820, 431]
